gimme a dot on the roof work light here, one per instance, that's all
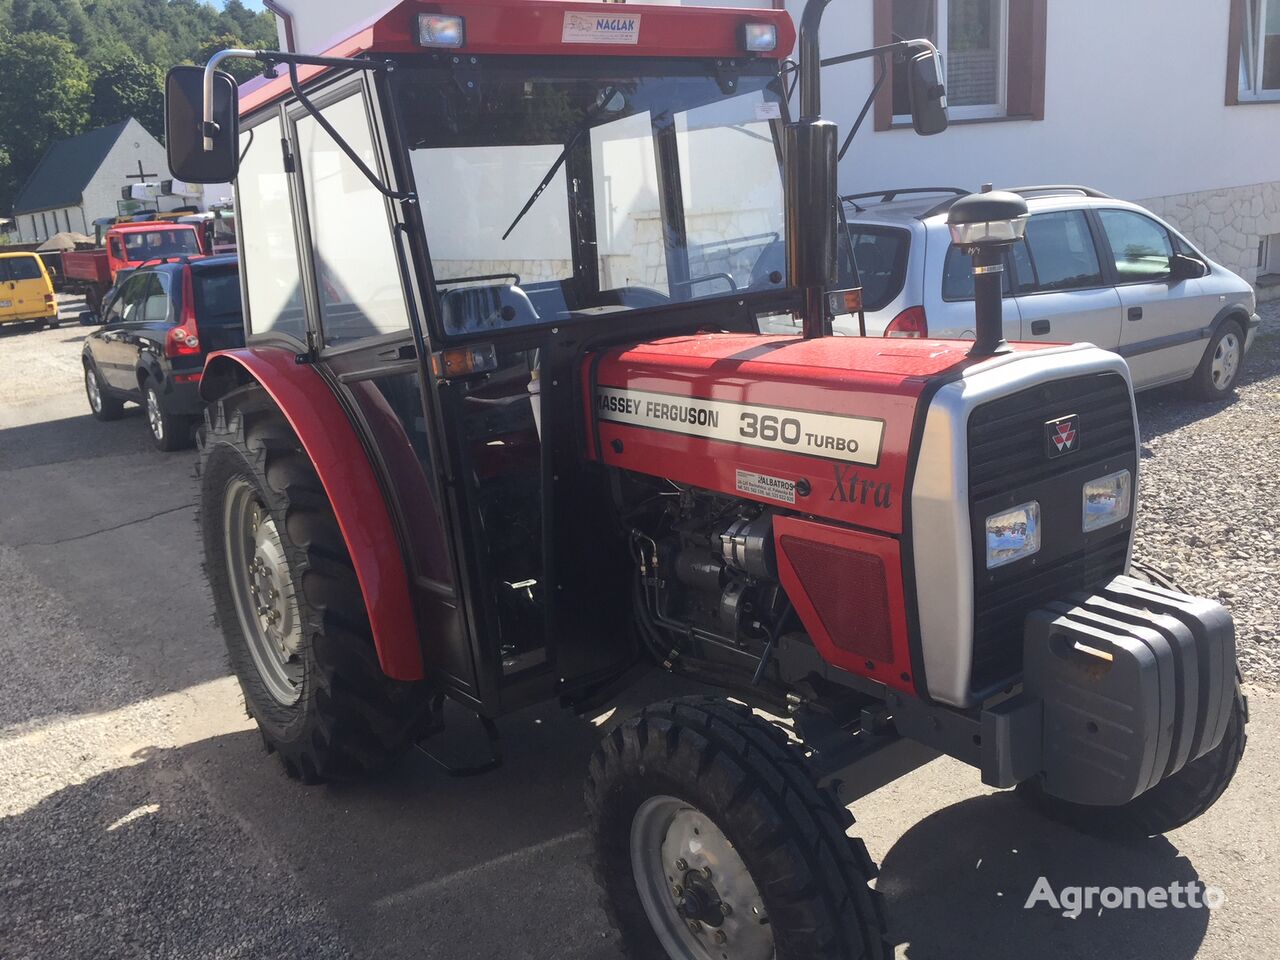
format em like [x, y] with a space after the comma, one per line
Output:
[441, 30]
[759, 37]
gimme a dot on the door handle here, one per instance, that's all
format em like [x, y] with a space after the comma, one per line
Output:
[1039, 327]
[1135, 313]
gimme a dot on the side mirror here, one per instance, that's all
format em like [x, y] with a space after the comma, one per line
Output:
[88, 318]
[928, 92]
[184, 126]
[1182, 267]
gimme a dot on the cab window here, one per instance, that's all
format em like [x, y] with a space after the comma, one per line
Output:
[271, 276]
[357, 276]
[1140, 247]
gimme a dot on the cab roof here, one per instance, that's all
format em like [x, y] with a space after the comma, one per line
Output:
[538, 27]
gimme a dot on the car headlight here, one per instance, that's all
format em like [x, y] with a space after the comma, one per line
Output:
[1106, 500]
[1013, 534]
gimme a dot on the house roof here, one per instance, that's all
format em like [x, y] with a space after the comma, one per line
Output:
[65, 170]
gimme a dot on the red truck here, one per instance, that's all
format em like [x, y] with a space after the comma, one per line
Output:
[128, 246]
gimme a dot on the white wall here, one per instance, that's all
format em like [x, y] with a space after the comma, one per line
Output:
[1134, 106]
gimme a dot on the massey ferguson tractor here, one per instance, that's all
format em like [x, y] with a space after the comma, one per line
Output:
[506, 430]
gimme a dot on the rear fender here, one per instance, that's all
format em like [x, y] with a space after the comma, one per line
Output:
[330, 440]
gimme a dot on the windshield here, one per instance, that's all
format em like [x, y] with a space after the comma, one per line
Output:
[564, 191]
[160, 243]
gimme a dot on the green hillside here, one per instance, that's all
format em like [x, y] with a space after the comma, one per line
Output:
[71, 65]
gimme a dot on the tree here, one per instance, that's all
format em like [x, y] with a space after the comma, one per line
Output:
[128, 87]
[242, 70]
[44, 96]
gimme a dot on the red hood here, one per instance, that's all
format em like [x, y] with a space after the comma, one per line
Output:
[821, 426]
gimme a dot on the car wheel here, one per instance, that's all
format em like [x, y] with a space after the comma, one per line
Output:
[168, 431]
[39, 325]
[287, 599]
[710, 840]
[1219, 369]
[101, 403]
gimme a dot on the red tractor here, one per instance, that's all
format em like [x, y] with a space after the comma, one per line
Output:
[507, 430]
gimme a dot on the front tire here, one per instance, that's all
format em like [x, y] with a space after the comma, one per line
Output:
[696, 804]
[289, 604]
[1219, 369]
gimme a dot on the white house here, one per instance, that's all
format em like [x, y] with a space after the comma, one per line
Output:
[1174, 106]
[79, 179]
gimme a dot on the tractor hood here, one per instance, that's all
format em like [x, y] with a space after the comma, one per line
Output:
[821, 426]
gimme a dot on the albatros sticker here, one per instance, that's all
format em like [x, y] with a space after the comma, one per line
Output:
[595, 28]
[826, 435]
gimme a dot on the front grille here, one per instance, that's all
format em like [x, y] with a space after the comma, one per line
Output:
[1008, 465]
[1006, 436]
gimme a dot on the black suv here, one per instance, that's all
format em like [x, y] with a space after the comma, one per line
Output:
[158, 327]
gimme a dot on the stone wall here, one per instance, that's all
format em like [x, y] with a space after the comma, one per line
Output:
[1227, 224]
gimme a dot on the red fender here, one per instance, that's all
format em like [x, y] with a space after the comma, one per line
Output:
[325, 431]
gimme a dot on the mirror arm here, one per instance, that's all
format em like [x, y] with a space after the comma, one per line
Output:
[208, 128]
[882, 74]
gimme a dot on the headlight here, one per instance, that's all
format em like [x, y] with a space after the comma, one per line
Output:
[1106, 500]
[1013, 534]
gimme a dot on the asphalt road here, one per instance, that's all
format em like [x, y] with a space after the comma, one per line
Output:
[139, 816]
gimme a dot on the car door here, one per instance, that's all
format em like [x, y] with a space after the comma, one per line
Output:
[1166, 320]
[117, 357]
[1063, 292]
[146, 336]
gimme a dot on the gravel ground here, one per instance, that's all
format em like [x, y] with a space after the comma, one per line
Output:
[1209, 513]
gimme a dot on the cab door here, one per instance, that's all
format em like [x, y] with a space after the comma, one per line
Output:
[1166, 321]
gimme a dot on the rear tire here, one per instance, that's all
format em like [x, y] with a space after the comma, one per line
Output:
[1220, 367]
[1174, 801]
[774, 843]
[295, 625]
[168, 431]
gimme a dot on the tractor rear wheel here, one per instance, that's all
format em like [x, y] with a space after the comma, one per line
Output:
[711, 842]
[288, 602]
[1174, 801]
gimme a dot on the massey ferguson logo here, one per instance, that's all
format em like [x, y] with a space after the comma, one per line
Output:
[1062, 436]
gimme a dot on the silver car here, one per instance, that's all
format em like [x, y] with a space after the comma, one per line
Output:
[1091, 269]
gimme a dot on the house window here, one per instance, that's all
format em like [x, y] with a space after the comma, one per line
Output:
[1260, 50]
[993, 54]
[972, 37]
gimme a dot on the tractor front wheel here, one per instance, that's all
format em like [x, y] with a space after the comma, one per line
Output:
[288, 602]
[711, 842]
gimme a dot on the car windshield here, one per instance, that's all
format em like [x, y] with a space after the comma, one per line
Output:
[564, 191]
[160, 243]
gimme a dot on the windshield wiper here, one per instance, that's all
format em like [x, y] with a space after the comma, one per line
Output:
[583, 127]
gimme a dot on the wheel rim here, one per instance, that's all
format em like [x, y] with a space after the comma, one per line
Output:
[1226, 361]
[697, 893]
[91, 388]
[262, 588]
[154, 416]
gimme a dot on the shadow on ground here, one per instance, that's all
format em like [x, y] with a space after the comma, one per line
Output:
[957, 884]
